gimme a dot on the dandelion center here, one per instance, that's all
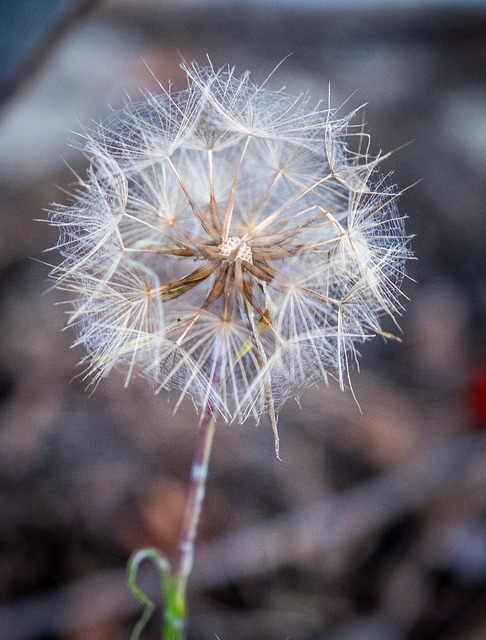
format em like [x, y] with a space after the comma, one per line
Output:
[234, 248]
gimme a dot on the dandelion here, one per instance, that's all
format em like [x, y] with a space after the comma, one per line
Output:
[228, 231]
[232, 242]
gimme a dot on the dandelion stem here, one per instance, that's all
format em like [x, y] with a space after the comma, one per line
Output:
[175, 614]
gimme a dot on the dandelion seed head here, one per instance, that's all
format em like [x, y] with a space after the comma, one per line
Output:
[231, 242]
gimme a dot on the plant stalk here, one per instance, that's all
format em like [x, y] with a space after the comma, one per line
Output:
[176, 606]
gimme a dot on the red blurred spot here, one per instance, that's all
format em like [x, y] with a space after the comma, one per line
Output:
[476, 399]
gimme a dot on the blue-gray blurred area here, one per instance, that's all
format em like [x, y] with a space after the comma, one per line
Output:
[27, 28]
[373, 525]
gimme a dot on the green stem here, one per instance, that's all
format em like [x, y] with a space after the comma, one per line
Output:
[175, 605]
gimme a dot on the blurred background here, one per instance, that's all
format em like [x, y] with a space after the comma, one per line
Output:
[373, 525]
